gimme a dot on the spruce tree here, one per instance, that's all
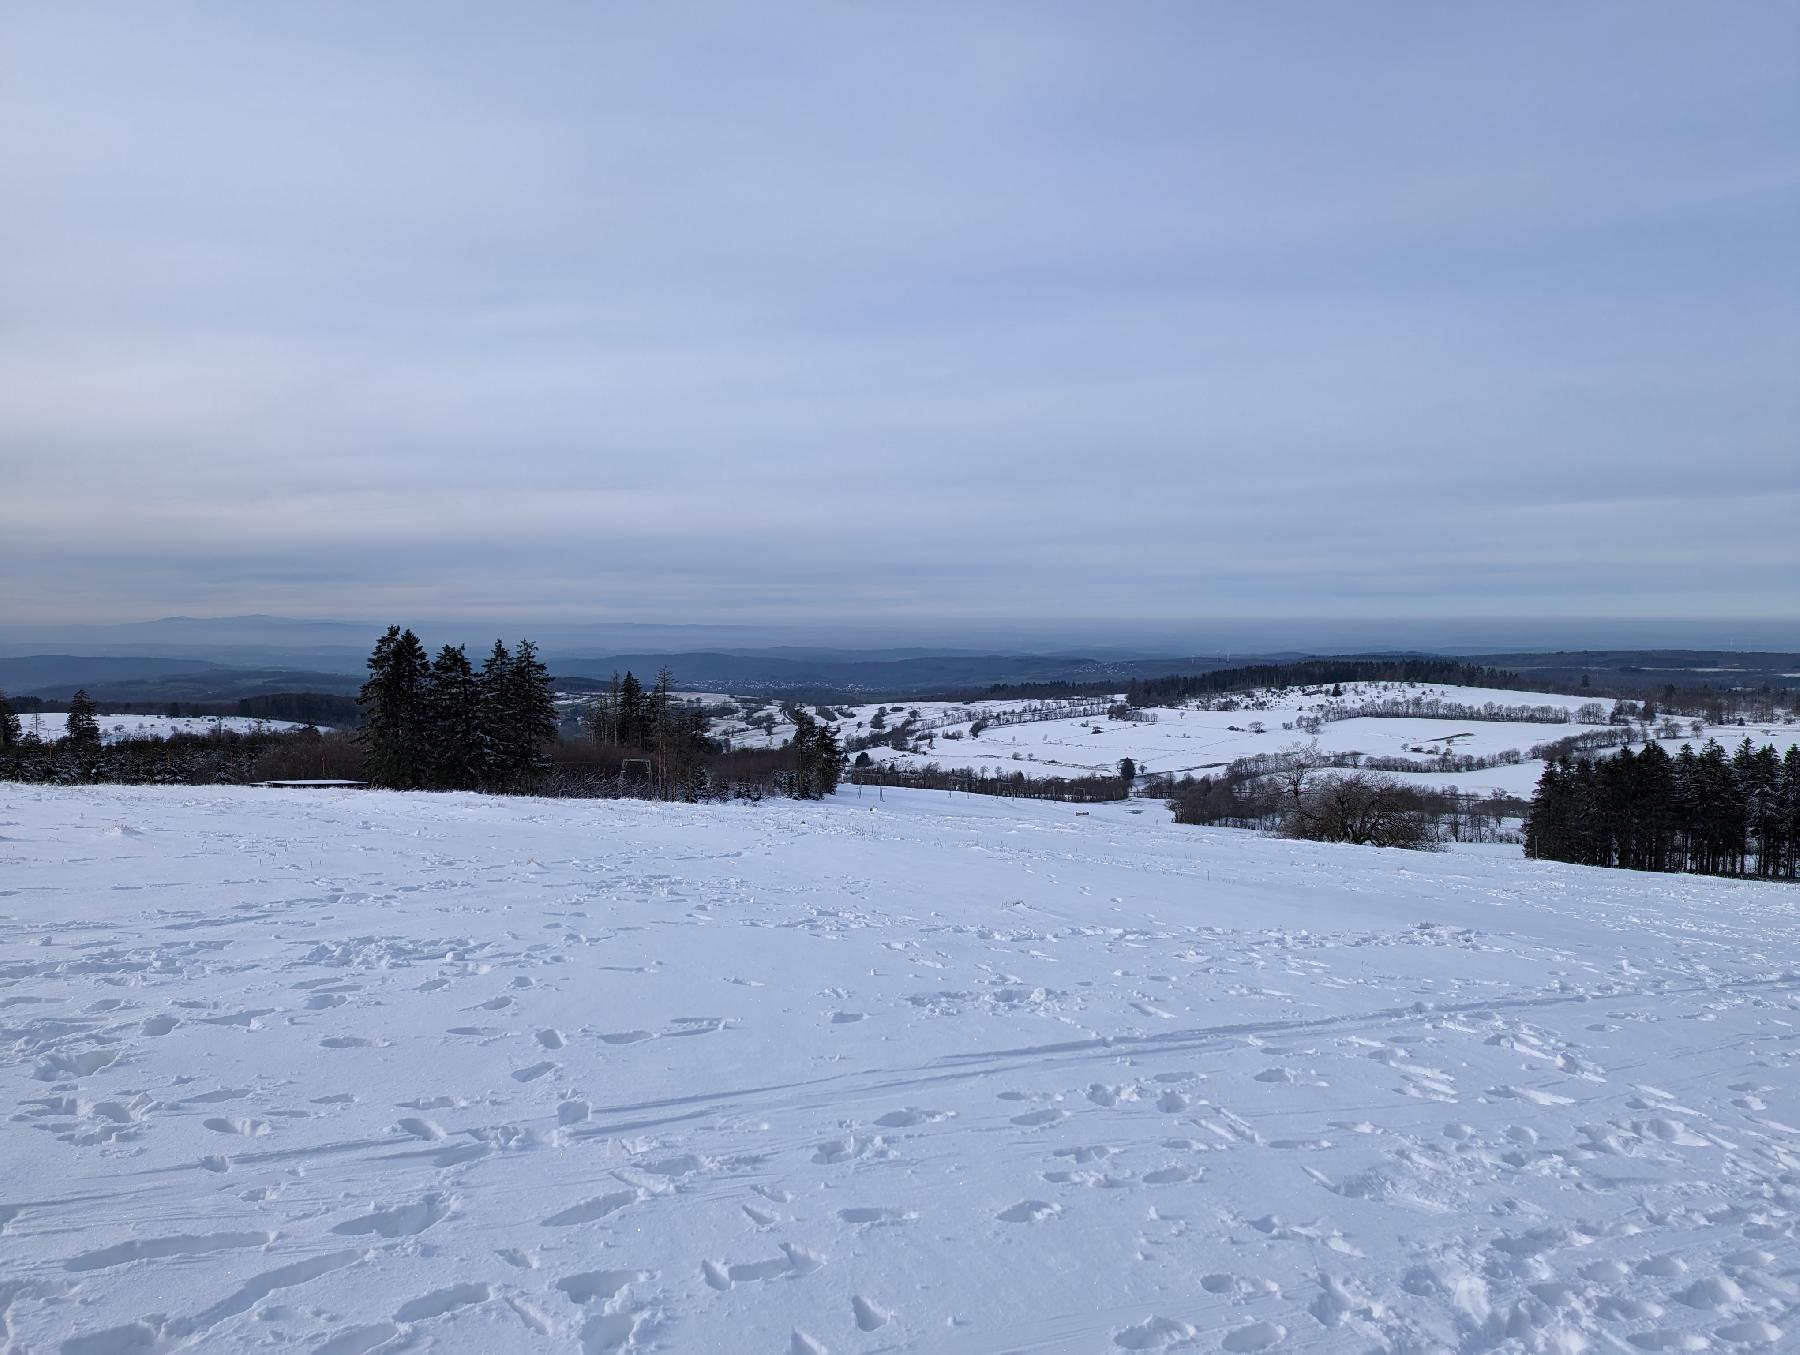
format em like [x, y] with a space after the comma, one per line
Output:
[828, 760]
[83, 729]
[494, 696]
[12, 733]
[394, 700]
[817, 756]
[1791, 812]
[531, 715]
[633, 712]
[802, 751]
[453, 718]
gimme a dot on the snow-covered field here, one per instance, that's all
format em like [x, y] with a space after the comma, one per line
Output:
[1194, 741]
[340, 1071]
[53, 725]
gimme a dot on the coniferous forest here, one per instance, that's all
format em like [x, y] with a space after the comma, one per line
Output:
[1710, 811]
[443, 723]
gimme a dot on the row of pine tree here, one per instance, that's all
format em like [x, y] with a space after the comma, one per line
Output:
[441, 724]
[1708, 811]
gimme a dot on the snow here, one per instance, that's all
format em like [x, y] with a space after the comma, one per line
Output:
[355, 1070]
[48, 725]
[1192, 740]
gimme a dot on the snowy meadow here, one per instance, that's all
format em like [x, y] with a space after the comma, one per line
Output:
[357, 1071]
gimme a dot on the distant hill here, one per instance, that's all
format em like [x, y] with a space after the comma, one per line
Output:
[202, 686]
[763, 672]
[32, 672]
[1649, 669]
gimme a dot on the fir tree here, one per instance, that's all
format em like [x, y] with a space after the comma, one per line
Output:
[394, 700]
[828, 759]
[83, 729]
[493, 694]
[1709, 811]
[458, 742]
[632, 712]
[531, 715]
[519, 715]
[818, 757]
[12, 733]
[801, 751]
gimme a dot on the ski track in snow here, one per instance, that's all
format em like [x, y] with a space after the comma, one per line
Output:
[346, 1072]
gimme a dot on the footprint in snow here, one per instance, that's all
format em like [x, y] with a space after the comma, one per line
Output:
[1154, 1333]
[870, 1316]
[248, 1128]
[627, 1037]
[911, 1116]
[597, 1208]
[1256, 1336]
[442, 1301]
[599, 1285]
[876, 1215]
[400, 1221]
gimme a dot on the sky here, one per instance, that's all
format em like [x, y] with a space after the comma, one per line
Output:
[892, 313]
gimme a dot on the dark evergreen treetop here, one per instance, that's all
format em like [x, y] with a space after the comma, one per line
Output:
[394, 701]
[1705, 811]
[83, 729]
[12, 733]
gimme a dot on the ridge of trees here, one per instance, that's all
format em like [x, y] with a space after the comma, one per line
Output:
[1315, 673]
[979, 781]
[1303, 792]
[437, 724]
[217, 757]
[1705, 812]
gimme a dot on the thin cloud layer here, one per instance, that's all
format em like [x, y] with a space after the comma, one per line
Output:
[815, 312]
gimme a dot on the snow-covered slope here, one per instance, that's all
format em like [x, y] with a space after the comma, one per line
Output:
[48, 725]
[1196, 739]
[344, 1071]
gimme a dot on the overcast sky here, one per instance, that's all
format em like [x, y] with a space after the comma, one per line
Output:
[822, 311]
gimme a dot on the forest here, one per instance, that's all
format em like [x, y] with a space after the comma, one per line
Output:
[1709, 812]
[441, 723]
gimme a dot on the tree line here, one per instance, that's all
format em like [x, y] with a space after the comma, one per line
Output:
[1168, 691]
[215, 758]
[441, 724]
[1707, 812]
[979, 781]
[1301, 792]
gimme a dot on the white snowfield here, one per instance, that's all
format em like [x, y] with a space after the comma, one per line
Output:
[352, 1071]
[49, 725]
[1193, 741]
